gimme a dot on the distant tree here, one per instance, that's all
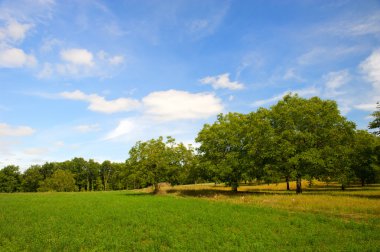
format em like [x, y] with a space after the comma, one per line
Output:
[363, 157]
[60, 181]
[375, 124]
[79, 167]
[106, 171]
[156, 161]
[32, 178]
[48, 169]
[10, 179]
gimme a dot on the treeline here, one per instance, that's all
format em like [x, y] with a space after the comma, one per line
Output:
[293, 140]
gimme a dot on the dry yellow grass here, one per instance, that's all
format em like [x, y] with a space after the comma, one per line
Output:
[356, 203]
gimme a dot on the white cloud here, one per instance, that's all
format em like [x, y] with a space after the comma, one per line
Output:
[77, 57]
[87, 128]
[14, 57]
[8, 130]
[100, 104]
[311, 91]
[177, 105]
[370, 67]
[222, 81]
[335, 80]
[14, 32]
[366, 106]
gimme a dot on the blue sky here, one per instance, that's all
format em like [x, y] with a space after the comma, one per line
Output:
[90, 78]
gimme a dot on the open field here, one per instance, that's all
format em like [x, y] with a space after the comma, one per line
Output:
[181, 221]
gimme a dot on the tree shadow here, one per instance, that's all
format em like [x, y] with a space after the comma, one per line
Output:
[131, 194]
[211, 193]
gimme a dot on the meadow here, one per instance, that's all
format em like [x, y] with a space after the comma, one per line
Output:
[193, 218]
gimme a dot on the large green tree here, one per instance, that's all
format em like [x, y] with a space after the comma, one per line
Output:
[309, 131]
[223, 147]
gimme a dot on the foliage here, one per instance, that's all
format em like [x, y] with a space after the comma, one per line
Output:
[60, 181]
[157, 161]
[375, 124]
[10, 180]
[312, 134]
[31, 178]
[364, 157]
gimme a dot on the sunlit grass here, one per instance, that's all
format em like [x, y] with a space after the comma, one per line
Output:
[355, 203]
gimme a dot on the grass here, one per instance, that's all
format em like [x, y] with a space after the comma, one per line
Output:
[125, 221]
[360, 204]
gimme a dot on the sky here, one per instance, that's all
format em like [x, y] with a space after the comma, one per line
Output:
[89, 78]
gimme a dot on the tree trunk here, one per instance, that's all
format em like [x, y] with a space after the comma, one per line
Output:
[363, 182]
[299, 185]
[156, 188]
[234, 186]
[287, 184]
[343, 187]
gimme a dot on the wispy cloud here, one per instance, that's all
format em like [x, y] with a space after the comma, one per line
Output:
[85, 128]
[15, 131]
[334, 81]
[353, 25]
[310, 91]
[291, 74]
[199, 28]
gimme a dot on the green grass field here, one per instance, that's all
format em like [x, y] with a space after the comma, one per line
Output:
[132, 221]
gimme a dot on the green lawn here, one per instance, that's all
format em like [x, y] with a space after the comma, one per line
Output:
[122, 221]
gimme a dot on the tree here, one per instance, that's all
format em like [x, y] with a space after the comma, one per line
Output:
[375, 124]
[105, 173]
[60, 181]
[363, 157]
[32, 178]
[10, 179]
[223, 145]
[155, 161]
[308, 131]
